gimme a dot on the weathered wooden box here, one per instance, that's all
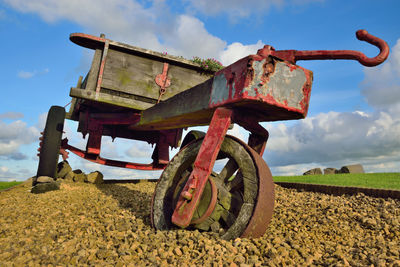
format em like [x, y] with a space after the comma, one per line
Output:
[125, 76]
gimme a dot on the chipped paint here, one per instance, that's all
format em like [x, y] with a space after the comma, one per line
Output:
[284, 85]
[220, 89]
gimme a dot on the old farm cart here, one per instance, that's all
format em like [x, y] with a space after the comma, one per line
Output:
[139, 94]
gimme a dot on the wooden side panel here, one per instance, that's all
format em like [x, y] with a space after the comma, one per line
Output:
[135, 75]
[94, 71]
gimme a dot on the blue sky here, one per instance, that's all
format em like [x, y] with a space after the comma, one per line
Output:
[353, 115]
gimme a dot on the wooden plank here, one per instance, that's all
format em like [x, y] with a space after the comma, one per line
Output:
[134, 74]
[71, 115]
[93, 42]
[132, 101]
[94, 71]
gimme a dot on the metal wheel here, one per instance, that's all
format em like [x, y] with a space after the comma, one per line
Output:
[50, 143]
[230, 204]
[192, 136]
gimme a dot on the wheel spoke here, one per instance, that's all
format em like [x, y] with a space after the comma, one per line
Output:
[236, 183]
[237, 198]
[228, 170]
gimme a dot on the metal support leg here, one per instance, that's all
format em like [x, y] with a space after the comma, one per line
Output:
[203, 165]
[258, 135]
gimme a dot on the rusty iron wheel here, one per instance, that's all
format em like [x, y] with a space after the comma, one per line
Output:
[50, 143]
[238, 192]
[192, 136]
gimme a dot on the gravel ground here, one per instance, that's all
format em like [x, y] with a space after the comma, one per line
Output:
[86, 224]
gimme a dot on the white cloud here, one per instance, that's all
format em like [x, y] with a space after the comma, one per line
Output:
[190, 38]
[234, 8]
[239, 9]
[140, 150]
[6, 174]
[381, 86]
[25, 74]
[335, 137]
[124, 20]
[153, 27]
[236, 51]
[326, 138]
[11, 115]
[29, 74]
[14, 134]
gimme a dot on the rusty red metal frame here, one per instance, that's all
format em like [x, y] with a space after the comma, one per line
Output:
[95, 129]
[109, 162]
[293, 55]
[163, 81]
[211, 205]
[204, 162]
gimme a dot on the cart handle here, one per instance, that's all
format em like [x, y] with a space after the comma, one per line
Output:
[362, 35]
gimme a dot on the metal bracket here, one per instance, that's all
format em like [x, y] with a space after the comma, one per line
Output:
[163, 81]
[194, 187]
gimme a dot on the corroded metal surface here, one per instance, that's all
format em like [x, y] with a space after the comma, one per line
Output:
[264, 207]
[194, 187]
[269, 88]
[163, 81]
[268, 81]
[362, 35]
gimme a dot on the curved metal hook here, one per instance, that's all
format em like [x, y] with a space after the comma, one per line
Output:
[363, 35]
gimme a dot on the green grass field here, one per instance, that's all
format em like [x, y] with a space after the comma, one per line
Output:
[5, 185]
[370, 180]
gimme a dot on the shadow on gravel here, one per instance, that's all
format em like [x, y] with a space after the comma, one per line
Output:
[137, 202]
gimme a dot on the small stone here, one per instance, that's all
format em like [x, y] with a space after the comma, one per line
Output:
[178, 251]
[44, 179]
[79, 176]
[330, 171]
[95, 177]
[63, 169]
[45, 187]
[313, 171]
[69, 176]
[356, 168]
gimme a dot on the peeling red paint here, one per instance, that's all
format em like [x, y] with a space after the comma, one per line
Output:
[194, 187]
[294, 55]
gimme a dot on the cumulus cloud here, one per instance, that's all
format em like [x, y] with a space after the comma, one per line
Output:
[234, 8]
[153, 27]
[332, 136]
[6, 174]
[190, 38]
[140, 150]
[335, 139]
[11, 115]
[381, 86]
[328, 138]
[15, 134]
[238, 9]
[123, 20]
[236, 51]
